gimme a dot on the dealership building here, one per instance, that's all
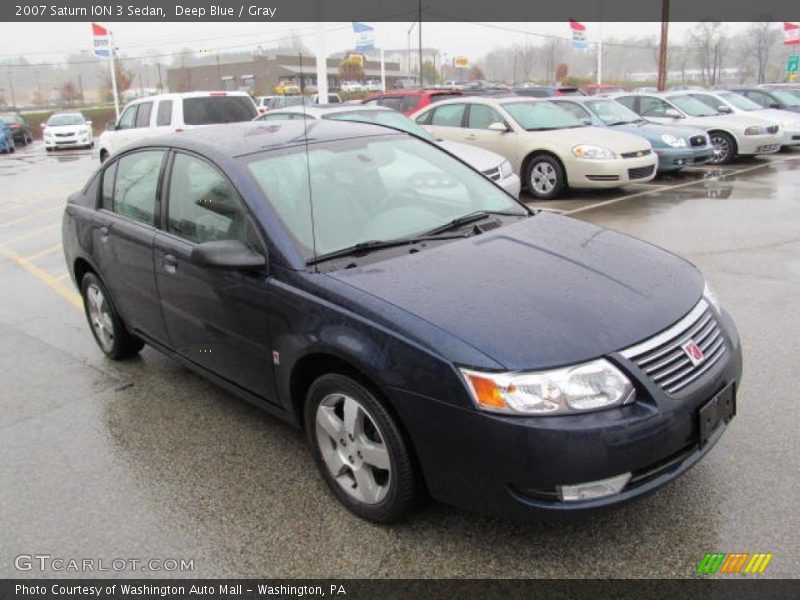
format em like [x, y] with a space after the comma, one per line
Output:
[260, 75]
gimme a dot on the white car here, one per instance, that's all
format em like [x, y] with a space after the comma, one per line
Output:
[373, 85]
[492, 165]
[547, 145]
[731, 102]
[351, 86]
[67, 130]
[172, 113]
[731, 135]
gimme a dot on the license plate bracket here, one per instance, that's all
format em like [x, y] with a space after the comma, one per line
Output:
[722, 407]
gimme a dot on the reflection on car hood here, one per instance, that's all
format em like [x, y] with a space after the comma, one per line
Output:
[654, 131]
[732, 121]
[477, 158]
[545, 291]
[616, 141]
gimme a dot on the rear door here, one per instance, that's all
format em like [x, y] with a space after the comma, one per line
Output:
[216, 318]
[123, 238]
[447, 122]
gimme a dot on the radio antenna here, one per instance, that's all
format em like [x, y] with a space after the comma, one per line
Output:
[308, 163]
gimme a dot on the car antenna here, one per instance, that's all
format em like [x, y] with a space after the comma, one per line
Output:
[308, 162]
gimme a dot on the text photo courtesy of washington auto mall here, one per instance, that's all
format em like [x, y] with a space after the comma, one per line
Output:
[402, 299]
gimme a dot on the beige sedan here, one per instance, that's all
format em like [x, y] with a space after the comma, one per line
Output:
[550, 148]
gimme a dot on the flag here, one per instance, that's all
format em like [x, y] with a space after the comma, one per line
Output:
[102, 41]
[365, 37]
[791, 34]
[578, 35]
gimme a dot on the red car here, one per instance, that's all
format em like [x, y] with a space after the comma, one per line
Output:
[410, 101]
[593, 89]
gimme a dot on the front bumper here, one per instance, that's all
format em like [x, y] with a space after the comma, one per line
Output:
[790, 137]
[586, 173]
[672, 159]
[511, 467]
[511, 184]
[67, 142]
[758, 144]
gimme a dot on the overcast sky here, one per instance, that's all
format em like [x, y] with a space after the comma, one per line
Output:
[51, 41]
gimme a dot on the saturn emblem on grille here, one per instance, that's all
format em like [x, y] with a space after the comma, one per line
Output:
[694, 352]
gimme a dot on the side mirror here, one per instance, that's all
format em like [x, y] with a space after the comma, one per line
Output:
[673, 113]
[775, 105]
[111, 126]
[725, 110]
[501, 127]
[88, 122]
[227, 254]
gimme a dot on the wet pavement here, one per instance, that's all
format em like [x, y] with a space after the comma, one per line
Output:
[144, 459]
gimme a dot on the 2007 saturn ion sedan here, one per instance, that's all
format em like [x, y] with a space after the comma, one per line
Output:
[430, 333]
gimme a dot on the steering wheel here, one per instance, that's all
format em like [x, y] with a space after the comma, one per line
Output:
[401, 198]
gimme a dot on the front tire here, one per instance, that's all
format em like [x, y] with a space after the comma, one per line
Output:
[108, 329]
[545, 177]
[359, 450]
[724, 148]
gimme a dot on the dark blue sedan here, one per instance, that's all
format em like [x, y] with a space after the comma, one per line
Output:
[676, 147]
[429, 333]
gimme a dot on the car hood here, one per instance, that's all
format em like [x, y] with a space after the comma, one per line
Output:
[654, 131]
[616, 141]
[477, 158]
[737, 122]
[777, 115]
[543, 292]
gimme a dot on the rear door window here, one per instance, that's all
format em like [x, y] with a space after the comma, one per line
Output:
[393, 102]
[410, 102]
[208, 110]
[481, 116]
[128, 118]
[136, 185]
[449, 115]
[164, 115]
[629, 101]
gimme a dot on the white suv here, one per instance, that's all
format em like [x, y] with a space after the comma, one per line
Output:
[171, 113]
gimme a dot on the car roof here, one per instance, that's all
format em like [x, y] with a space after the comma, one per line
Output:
[409, 92]
[228, 140]
[316, 110]
[181, 95]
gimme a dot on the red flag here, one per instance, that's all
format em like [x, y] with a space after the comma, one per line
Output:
[576, 26]
[791, 34]
[98, 30]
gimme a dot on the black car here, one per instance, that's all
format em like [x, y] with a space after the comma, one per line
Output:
[19, 126]
[430, 333]
[769, 98]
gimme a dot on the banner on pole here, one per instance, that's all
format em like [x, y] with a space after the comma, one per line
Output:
[365, 37]
[102, 41]
[578, 35]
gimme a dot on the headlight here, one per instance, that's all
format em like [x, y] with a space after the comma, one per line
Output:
[506, 170]
[711, 297]
[754, 130]
[595, 152]
[578, 389]
[675, 142]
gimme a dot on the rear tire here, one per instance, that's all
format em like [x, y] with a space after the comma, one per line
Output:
[360, 450]
[724, 148]
[107, 327]
[544, 177]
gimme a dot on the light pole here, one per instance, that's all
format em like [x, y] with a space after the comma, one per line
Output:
[408, 49]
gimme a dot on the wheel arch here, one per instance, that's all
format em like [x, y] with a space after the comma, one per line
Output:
[542, 152]
[729, 133]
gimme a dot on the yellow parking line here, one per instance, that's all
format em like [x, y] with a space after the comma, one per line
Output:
[44, 252]
[667, 188]
[24, 204]
[31, 233]
[31, 216]
[69, 294]
[62, 277]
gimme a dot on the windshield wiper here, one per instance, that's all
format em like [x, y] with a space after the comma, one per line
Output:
[370, 245]
[478, 215]
[620, 123]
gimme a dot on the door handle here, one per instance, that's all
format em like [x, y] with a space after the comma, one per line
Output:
[471, 137]
[170, 263]
[104, 234]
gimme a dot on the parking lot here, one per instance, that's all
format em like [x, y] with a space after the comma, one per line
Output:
[144, 459]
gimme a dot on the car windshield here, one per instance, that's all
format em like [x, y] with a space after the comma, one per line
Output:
[739, 101]
[542, 115]
[612, 113]
[58, 120]
[382, 117]
[208, 110]
[693, 107]
[786, 98]
[377, 188]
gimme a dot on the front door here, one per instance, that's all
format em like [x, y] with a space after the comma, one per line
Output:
[479, 117]
[214, 317]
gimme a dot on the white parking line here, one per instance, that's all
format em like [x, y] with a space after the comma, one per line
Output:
[671, 187]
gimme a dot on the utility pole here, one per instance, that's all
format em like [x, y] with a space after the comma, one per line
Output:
[419, 31]
[11, 87]
[662, 50]
[160, 84]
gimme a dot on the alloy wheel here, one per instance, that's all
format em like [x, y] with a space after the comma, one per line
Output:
[353, 448]
[722, 149]
[100, 317]
[543, 178]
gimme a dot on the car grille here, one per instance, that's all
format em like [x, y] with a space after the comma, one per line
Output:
[796, 137]
[641, 172]
[698, 140]
[663, 358]
[493, 174]
[637, 154]
[772, 129]
[65, 135]
[603, 177]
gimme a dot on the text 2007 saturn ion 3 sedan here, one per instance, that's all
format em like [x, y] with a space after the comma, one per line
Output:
[429, 333]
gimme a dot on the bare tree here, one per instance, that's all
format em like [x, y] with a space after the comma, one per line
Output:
[760, 39]
[708, 40]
